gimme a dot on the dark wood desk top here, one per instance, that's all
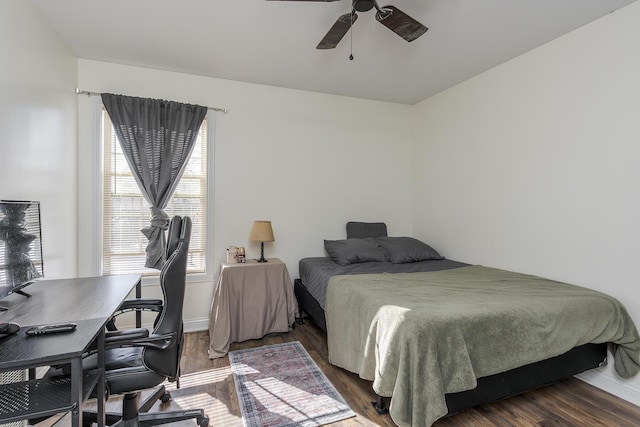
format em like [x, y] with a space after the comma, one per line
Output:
[89, 302]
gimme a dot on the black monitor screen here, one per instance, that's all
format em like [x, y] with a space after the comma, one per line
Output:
[20, 245]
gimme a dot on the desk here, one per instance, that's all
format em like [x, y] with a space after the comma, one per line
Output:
[89, 302]
[251, 300]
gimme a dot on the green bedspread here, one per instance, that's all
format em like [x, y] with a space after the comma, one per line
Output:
[418, 336]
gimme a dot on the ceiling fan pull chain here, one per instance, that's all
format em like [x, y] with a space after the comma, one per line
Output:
[351, 36]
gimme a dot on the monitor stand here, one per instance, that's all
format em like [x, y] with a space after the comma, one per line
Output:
[21, 292]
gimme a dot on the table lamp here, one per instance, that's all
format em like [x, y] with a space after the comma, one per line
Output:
[261, 231]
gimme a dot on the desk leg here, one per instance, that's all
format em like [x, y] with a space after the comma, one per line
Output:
[138, 296]
[100, 392]
[76, 392]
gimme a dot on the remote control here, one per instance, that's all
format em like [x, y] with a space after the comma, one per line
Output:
[51, 329]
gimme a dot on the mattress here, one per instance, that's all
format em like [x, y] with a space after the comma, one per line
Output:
[420, 336]
[315, 272]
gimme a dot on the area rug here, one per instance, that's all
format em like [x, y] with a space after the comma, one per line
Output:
[280, 385]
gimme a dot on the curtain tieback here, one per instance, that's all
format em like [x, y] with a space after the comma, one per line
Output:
[159, 222]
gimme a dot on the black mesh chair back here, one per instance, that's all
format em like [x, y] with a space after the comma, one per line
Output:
[173, 283]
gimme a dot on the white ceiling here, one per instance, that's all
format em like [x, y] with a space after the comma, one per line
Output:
[273, 42]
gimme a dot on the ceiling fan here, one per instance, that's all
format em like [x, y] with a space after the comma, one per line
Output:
[389, 16]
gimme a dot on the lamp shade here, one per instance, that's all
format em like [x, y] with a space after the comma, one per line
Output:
[261, 231]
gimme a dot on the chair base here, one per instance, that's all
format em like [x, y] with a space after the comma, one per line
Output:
[134, 415]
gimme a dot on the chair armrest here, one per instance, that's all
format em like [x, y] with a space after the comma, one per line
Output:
[159, 341]
[142, 304]
[140, 337]
[114, 339]
[138, 305]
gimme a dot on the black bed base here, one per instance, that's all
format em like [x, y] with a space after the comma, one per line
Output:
[528, 377]
[494, 387]
[308, 304]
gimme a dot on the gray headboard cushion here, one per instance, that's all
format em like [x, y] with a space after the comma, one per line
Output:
[362, 230]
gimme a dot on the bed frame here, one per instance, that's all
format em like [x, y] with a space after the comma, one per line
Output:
[493, 387]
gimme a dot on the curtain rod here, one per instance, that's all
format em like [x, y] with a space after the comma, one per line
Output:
[88, 93]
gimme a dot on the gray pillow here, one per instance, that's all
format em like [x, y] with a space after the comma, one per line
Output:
[361, 230]
[352, 251]
[401, 250]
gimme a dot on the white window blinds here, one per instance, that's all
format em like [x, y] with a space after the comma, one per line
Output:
[125, 211]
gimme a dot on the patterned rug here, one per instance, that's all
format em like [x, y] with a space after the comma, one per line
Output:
[280, 385]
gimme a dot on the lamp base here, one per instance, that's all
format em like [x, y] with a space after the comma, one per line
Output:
[262, 258]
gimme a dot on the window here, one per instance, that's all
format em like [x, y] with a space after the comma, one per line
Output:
[125, 210]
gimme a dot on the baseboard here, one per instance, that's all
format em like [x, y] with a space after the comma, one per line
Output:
[196, 325]
[607, 381]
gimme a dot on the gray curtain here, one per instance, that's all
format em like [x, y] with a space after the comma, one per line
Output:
[157, 138]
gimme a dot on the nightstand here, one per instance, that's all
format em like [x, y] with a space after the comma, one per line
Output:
[251, 299]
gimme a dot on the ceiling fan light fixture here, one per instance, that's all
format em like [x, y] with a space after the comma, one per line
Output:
[363, 5]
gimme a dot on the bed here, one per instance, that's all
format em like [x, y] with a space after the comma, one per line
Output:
[412, 322]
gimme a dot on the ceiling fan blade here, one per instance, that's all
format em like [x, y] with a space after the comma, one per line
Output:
[400, 23]
[337, 31]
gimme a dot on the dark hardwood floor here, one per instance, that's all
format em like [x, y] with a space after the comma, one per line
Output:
[568, 403]
[208, 384]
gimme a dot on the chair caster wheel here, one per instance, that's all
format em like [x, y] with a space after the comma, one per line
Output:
[204, 421]
[165, 398]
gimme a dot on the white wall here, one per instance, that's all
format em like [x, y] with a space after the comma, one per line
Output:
[534, 166]
[38, 129]
[308, 162]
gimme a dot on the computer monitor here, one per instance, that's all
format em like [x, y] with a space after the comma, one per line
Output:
[20, 246]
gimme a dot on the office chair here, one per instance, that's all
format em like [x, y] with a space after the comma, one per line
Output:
[138, 305]
[136, 360]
